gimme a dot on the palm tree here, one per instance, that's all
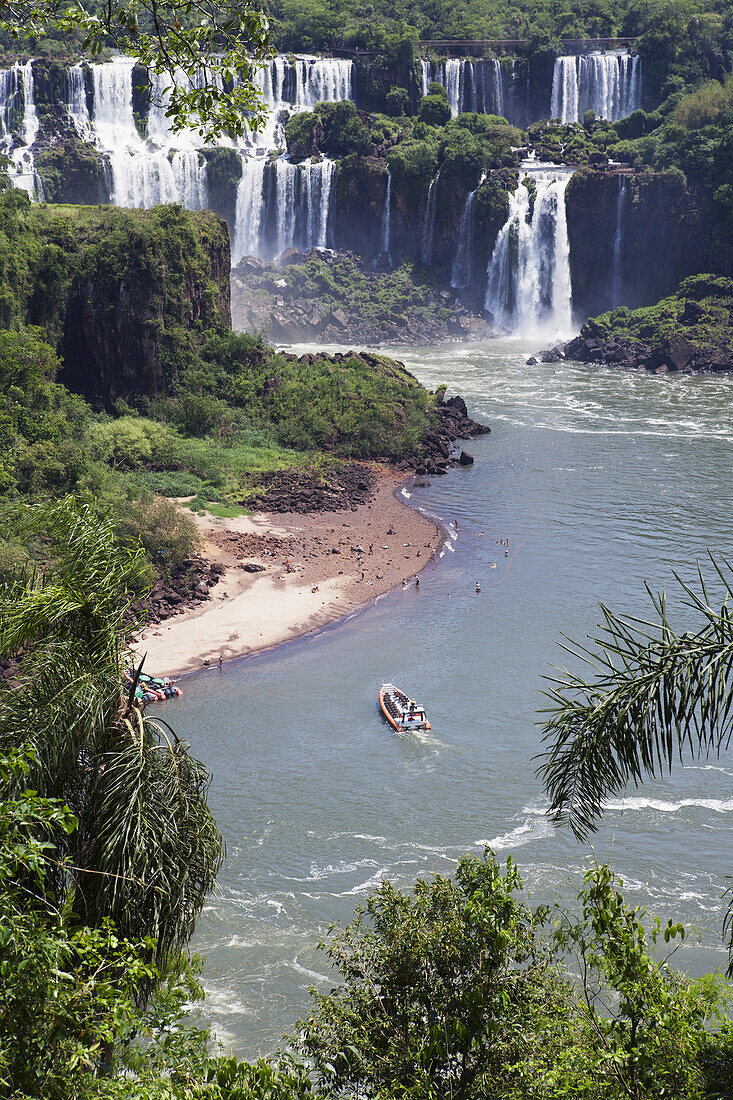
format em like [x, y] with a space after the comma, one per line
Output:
[147, 849]
[652, 696]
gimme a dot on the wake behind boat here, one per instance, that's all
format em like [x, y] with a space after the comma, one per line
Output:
[402, 713]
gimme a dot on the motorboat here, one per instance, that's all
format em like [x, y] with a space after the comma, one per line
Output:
[402, 713]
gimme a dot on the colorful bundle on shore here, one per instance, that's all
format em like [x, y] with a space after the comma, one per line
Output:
[151, 689]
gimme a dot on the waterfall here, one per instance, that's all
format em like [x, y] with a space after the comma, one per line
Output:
[282, 205]
[304, 81]
[463, 261]
[528, 276]
[453, 82]
[478, 85]
[167, 167]
[248, 213]
[76, 97]
[426, 69]
[618, 242]
[18, 117]
[609, 84]
[387, 219]
[428, 231]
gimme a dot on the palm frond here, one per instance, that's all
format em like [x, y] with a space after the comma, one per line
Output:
[646, 696]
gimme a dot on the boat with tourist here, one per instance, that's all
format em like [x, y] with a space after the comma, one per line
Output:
[401, 712]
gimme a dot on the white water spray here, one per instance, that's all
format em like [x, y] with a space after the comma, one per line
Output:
[528, 276]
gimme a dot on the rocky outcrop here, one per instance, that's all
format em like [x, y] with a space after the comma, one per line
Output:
[690, 331]
[185, 587]
[343, 486]
[436, 453]
[347, 302]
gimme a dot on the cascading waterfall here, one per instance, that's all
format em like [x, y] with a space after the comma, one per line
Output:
[478, 85]
[609, 84]
[76, 97]
[282, 205]
[140, 177]
[18, 114]
[304, 81]
[188, 165]
[528, 276]
[428, 231]
[618, 242]
[387, 219]
[463, 261]
[297, 84]
[248, 213]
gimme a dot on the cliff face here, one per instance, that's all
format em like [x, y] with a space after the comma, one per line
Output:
[146, 282]
[634, 236]
[124, 292]
[359, 210]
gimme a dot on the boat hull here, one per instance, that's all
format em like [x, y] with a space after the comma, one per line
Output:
[393, 712]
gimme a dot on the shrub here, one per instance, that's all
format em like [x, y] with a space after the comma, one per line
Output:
[344, 131]
[434, 110]
[304, 134]
[397, 101]
[168, 535]
[414, 160]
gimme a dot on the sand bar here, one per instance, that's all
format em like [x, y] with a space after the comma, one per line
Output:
[314, 573]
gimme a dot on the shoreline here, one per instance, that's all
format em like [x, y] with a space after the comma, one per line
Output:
[290, 575]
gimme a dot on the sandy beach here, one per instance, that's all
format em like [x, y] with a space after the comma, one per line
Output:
[316, 568]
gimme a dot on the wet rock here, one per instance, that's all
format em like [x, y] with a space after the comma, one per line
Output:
[465, 459]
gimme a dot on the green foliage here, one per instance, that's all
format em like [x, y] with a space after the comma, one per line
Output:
[649, 695]
[397, 101]
[434, 109]
[458, 990]
[167, 534]
[439, 990]
[146, 849]
[349, 407]
[344, 130]
[706, 326]
[304, 134]
[40, 421]
[416, 161]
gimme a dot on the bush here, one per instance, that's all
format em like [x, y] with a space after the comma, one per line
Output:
[168, 535]
[304, 134]
[344, 131]
[434, 110]
[416, 161]
[397, 101]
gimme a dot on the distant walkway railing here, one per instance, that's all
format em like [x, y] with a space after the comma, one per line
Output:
[479, 46]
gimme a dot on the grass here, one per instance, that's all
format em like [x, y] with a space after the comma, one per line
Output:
[221, 511]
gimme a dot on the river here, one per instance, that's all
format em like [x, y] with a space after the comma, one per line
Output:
[600, 480]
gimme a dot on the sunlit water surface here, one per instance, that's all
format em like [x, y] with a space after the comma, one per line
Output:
[600, 480]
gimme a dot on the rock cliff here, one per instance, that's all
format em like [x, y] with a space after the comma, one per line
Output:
[635, 235]
[125, 294]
